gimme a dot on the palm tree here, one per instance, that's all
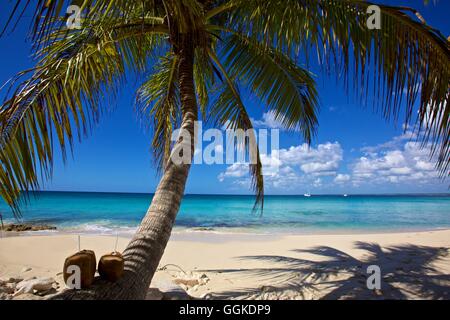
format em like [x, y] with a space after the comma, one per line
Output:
[203, 51]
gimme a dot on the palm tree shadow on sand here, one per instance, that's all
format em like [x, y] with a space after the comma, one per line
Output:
[407, 271]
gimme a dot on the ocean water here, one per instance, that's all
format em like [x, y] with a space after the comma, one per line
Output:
[110, 213]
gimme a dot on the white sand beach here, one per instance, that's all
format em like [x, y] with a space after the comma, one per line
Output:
[414, 265]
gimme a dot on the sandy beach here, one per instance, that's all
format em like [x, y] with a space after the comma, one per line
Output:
[414, 265]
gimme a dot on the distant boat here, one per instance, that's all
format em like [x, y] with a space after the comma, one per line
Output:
[345, 195]
[307, 194]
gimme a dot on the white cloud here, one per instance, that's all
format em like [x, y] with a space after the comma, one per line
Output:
[294, 166]
[424, 165]
[396, 142]
[405, 164]
[323, 159]
[342, 178]
[400, 171]
[399, 161]
[268, 120]
[235, 170]
[317, 183]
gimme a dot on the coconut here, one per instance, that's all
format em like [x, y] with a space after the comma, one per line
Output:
[110, 266]
[87, 262]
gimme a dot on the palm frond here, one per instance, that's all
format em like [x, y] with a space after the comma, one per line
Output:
[62, 97]
[229, 110]
[158, 99]
[204, 78]
[396, 63]
[51, 15]
[288, 90]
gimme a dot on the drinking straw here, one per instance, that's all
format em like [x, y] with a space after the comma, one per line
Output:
[117, 240]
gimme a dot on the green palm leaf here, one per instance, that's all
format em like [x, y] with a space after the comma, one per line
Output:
[158, 99]
[229, 110]
[62, 97]
[395, 64]
[288, 90]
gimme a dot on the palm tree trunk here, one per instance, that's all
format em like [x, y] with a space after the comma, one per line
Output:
[146, 248]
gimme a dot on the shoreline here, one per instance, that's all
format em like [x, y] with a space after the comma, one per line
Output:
[223, 232]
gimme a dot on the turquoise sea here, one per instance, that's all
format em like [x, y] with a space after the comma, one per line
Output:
[110, 213]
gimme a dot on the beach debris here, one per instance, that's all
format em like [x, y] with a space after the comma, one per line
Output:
[195, 288]
[34, 285]
[27, 289]
[111, 266]
[11, 285]
[20, 227]
[4, 296]
[378, 292]
[4, 281]
[191, 279]
[206, 296]
[26, 296]
[86, 261]
[267, 288]
[165, 268]
[26, 269]
[186, 282]
[154, 294]
[170, 290]
[203, 278]
[8, 288]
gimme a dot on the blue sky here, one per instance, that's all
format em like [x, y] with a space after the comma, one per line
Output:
[355, 151]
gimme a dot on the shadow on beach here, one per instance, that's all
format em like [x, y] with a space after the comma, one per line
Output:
[407, 272]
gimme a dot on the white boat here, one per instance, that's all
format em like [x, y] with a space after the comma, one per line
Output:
[307, 194]
[345, 195]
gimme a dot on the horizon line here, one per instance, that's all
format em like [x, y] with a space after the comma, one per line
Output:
[250, 194]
